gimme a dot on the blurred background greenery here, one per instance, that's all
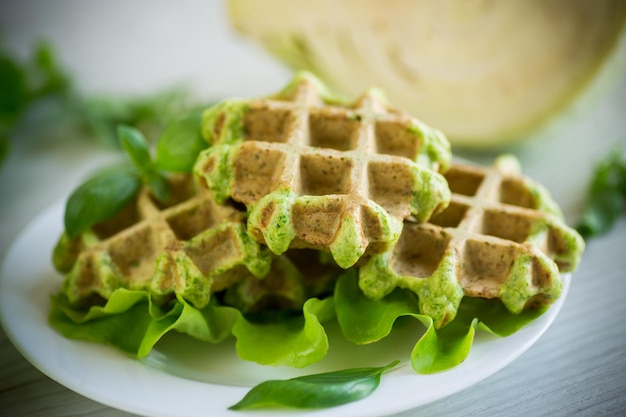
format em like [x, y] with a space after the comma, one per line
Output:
[40, 98]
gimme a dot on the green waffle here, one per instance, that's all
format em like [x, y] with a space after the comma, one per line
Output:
[314, 173]
[192, 247]
[502, 236]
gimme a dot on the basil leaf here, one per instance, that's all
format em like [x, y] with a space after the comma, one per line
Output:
[323, 390]
[98, 199]
[180, 144]
[135, 145]
[14, 89]
[158, 185]
[607, 196]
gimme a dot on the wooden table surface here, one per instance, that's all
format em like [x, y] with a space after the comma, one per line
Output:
[577, 368]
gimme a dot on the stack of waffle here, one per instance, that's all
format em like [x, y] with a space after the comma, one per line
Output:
[298, 186]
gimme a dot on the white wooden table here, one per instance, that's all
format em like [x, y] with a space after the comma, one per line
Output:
[578, 368]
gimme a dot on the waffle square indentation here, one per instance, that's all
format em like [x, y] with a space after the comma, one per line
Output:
[419, 251]
[213, 252]
[325, 174]
[192, 221]
[507, 225]
[452, 216]
[462, 182]
[134, 255]
[257, 172]
[318, 223]
[394, 138]
[513, 191]
[267, 124]
[390, 185]
[487, 262]
[333, 130]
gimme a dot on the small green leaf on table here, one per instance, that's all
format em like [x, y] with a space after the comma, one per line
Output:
[323, 390]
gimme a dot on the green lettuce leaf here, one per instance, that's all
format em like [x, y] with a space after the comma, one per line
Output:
[133, 323]
[441, 349]
[130, 321]
[494, 317]
[296, 341]
[122, 322]
[363, 320]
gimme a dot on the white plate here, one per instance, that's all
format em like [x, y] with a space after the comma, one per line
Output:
[183, 377]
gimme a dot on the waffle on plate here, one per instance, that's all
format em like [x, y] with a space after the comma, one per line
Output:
[317, 174]
[192, 247]
[502, 236]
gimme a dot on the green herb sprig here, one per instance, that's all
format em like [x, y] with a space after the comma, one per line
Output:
[606, 200]
[105, 194]
[136, 148]
[24, 84]
[39, 92]
[323, 390]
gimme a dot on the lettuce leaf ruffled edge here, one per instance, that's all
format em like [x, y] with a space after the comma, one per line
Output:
[363, 320]
[132, 322]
